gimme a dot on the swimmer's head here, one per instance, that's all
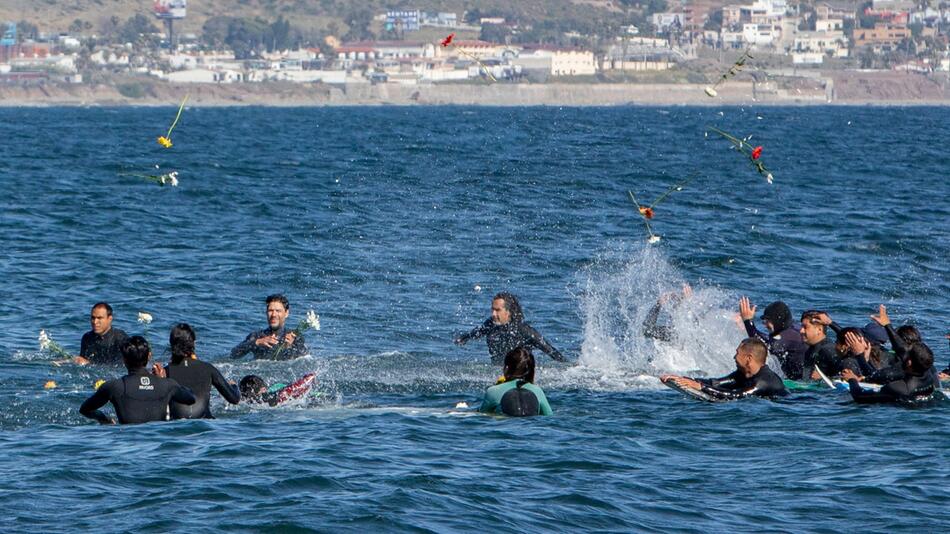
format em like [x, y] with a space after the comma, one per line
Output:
[182, 342]
[136, 352]
[252, 387]
[909, 334]
[777, 317]
[519, 365]
[505, 309]
[100, 317]
[919, 358]
[812, 331]
[751, 355]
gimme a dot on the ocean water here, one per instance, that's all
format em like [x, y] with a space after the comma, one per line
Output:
[397, 225]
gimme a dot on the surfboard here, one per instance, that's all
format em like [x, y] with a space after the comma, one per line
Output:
[690, 392]
[296, 390]
[801, 385]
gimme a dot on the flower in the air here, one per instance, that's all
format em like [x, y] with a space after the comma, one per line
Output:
[710, 91]
[164, 141]
[646, 212]
[313, 320]
[653, 239]
[448, 40]
[145, 318]
[44, 340]
[768, 178]
[756, 152]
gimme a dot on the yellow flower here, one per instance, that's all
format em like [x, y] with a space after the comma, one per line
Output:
[501, 380]
[165, 142]
[49, 385]
[98, 383]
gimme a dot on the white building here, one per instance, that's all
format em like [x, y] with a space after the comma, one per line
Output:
[558, 62]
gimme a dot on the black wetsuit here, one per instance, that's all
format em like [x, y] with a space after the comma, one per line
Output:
[104, 349]
[786, 345]
[503, 338]
[298, 349]
[825, 357]
[652, 329]
[909, 389]
[199, 376]
[765, 383]
[138, 397]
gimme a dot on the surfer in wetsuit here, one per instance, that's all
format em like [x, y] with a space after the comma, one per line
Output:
[664, 332]
[138, 397]
[752, 376]
[506, 331]
[264, 344]
[918, 383]
[198, 376]
[254, 390]
[821, 351]
[783, 339]
[102, 345]
[517, 396]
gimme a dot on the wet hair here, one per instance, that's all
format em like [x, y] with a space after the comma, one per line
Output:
[756, 348]
[811, 316]
[519, 365]
[103, 305]
[182, 342]
[840, 336]
[875, 357]
[277, 297]
[921, 358]
[135, 352]
[779, 315]
[512, 305]
[251, 386]
[909, 334]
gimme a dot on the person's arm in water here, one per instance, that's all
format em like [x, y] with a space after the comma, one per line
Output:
[183, 395]
[536, 339]
[653, 330]
[229, 391]
[475, 333]
[91, 407]
[245, 346]
[863, 396]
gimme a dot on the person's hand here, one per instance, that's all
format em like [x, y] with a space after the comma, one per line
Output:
[108, 421]
[746, 309]
[158, 370]
[667, 378]
[823, 318]
[815, 375]
[856, 344]
[687, 290]
[881, 318]
[684, 382]
[266, 341]
[943, 376]
[289, 338]
[459, 340]
[79, 360]
[848, 374]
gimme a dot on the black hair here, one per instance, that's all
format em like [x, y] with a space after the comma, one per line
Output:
[840, 338]
[277, 297]
[519, 365]
[921, 358]
[755, 347]
[812, 317]
[182, 342]
[909, 334]
[251, 386]
[512, 305]
[135, 352]
[103, 305]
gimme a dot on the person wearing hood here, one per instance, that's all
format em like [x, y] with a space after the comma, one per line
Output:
[783, 340]
[506, 331]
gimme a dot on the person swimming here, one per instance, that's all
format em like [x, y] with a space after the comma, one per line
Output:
[918, 384]
[507, 330]
[752, 376]
[138, 397]
[517, 396]
[198, 376]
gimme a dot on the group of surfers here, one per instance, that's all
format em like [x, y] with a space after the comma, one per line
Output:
[182, 388]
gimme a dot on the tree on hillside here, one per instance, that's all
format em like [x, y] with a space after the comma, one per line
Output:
[26, 30]
[358, 19]
[137, 28]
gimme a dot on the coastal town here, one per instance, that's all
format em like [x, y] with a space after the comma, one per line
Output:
[648, 42]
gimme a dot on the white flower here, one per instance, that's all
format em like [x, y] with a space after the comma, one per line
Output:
[44, 340]
[313, 320]
[768, 178]
[478, 289]
[462, 404]
[145, 318]
[173, 178]
[653, 239]
[710, 91]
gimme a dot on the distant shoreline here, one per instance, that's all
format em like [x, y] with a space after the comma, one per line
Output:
[153, 94]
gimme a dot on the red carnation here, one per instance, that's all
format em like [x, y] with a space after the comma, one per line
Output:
[448, 40]
[646, 212]
[756, 152]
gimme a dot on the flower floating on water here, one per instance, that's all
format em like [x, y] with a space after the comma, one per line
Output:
[49, 385]
[647, 211]
[166, 140]
[145, 318]
[462, 404]
[448, 42]
[311, 321]
[754, 153]
[47, 344]
[735, 69]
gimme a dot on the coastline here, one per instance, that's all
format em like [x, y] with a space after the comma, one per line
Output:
[283, 94]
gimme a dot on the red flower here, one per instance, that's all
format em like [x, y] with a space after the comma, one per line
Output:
[646, 212]
[756, 152]
[448, 40]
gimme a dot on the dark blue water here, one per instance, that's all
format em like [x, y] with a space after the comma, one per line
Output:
[397, 225]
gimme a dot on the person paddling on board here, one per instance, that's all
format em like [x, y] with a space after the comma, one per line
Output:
[918, 383]
[783, 339]
[102, 345]
[752, 376]
[517, 396]
[506, 331]
[254, 390]
[198, 376]
[274, 342]
[138, 397]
